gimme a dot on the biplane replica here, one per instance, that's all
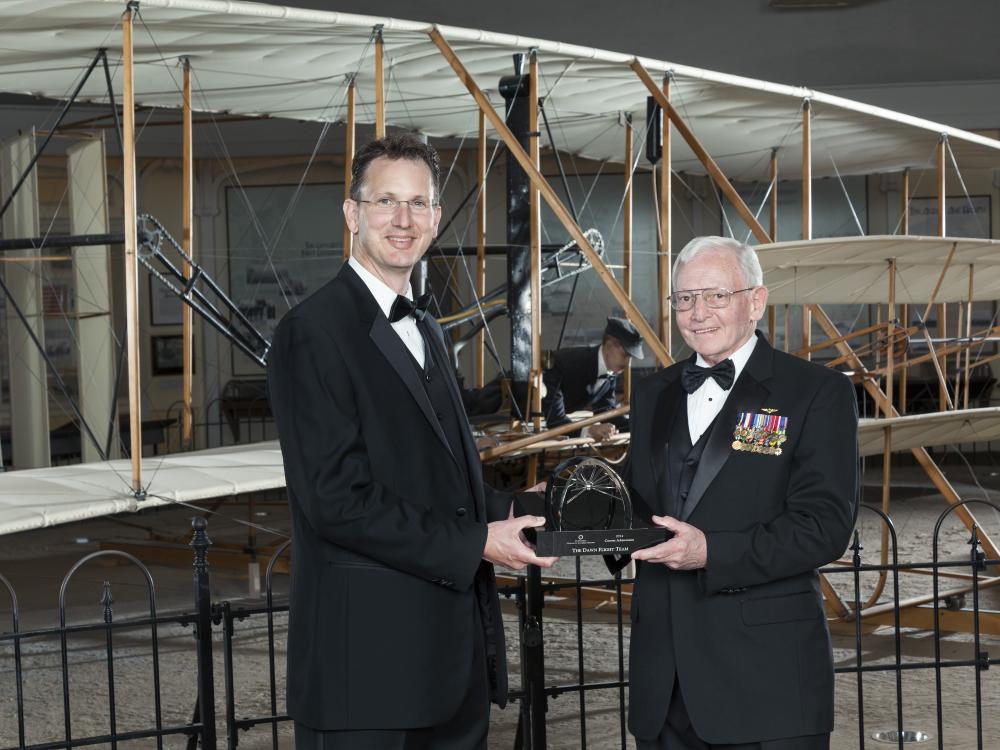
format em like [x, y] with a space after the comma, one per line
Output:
[729, 143]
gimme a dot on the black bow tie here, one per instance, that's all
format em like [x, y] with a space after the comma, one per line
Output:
[692, 376]
[401, 307]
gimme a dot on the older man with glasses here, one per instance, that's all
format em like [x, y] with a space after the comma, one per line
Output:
[749, 457]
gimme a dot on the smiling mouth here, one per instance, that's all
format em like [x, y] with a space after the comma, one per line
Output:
[401, 242]
[702, 331]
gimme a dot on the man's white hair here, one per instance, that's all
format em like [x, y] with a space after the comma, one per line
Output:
[746, 256]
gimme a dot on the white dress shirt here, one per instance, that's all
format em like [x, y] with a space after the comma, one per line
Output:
[705, 403]
[406, 328]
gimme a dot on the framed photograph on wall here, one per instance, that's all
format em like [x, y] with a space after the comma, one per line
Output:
[164, 305]
[167, 355]
[964, 216]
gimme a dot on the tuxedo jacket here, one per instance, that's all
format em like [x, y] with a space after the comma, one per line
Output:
[746, 636]
[572, 384]
[388, 522]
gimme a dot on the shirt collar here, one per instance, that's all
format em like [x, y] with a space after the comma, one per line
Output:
[384, 296]
[602, 366]
[740, 357]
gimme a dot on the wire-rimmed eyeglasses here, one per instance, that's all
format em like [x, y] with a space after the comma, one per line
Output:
[387, 205]
[716, 297]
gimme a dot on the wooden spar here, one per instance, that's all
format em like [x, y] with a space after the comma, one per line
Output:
[806, 207]
[379, 84]
[772, 322]
[904, 202]
[480, 353]
[773, 210]
[563, 429]
[968, 337]
[627, 237]
[187, 244]
[535, 248]
[788, 316]
[923, 457]
[703, 156]
[944, 399]
[131, 256]
[664, 271]
[550, 197]
[349, 159]
[903, 376]
[886, 437]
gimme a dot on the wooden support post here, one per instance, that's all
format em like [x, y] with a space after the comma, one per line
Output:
[379, 84]
[968, 337]
[904, 202]
[904, 372]
[772, 324]
[664, 270]
[187, 235]
[699, 151]
[480, 364]
[943, 397]
[627, 238]
[349, 159]
[788, 322]
[806, 208]
[535, 247]
[773, 210]
[550, 197]
[129, 218]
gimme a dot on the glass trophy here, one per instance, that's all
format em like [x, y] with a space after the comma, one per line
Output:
[588, 512]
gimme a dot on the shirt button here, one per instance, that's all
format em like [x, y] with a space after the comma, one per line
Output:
[460, 512]
[427, 377]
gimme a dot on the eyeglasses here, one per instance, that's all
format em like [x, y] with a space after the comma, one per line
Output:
[387, 205]
[715, 297]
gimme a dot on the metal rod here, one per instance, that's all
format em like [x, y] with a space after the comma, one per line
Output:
[627, 238]
[62, 113]
[968, 335]
[806, 207]
[551, 198]
[480, 352]
[535, 247]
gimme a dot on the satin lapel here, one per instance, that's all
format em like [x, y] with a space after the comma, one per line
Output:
[394, 350]
[669, 405]
[434, 336]
[749, 394]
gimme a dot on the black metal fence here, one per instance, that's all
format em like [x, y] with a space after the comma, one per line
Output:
[215, 621]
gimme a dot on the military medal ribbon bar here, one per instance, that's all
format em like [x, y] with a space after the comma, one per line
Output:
[760, 433]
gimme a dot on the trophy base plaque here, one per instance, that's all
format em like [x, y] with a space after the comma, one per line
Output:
[597, 541]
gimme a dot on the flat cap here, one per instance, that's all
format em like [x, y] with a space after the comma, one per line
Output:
[627, 334]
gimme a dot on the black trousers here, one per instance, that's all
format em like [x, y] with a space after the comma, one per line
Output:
[678, 734]
[466, 730]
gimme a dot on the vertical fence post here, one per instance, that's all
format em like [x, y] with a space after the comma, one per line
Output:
[533, 660]
[203, 632]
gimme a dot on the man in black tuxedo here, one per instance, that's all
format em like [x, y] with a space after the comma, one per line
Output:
[749, 456]
[394, 638]
[585, 378]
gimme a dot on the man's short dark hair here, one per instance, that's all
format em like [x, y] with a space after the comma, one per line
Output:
[395, 146]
